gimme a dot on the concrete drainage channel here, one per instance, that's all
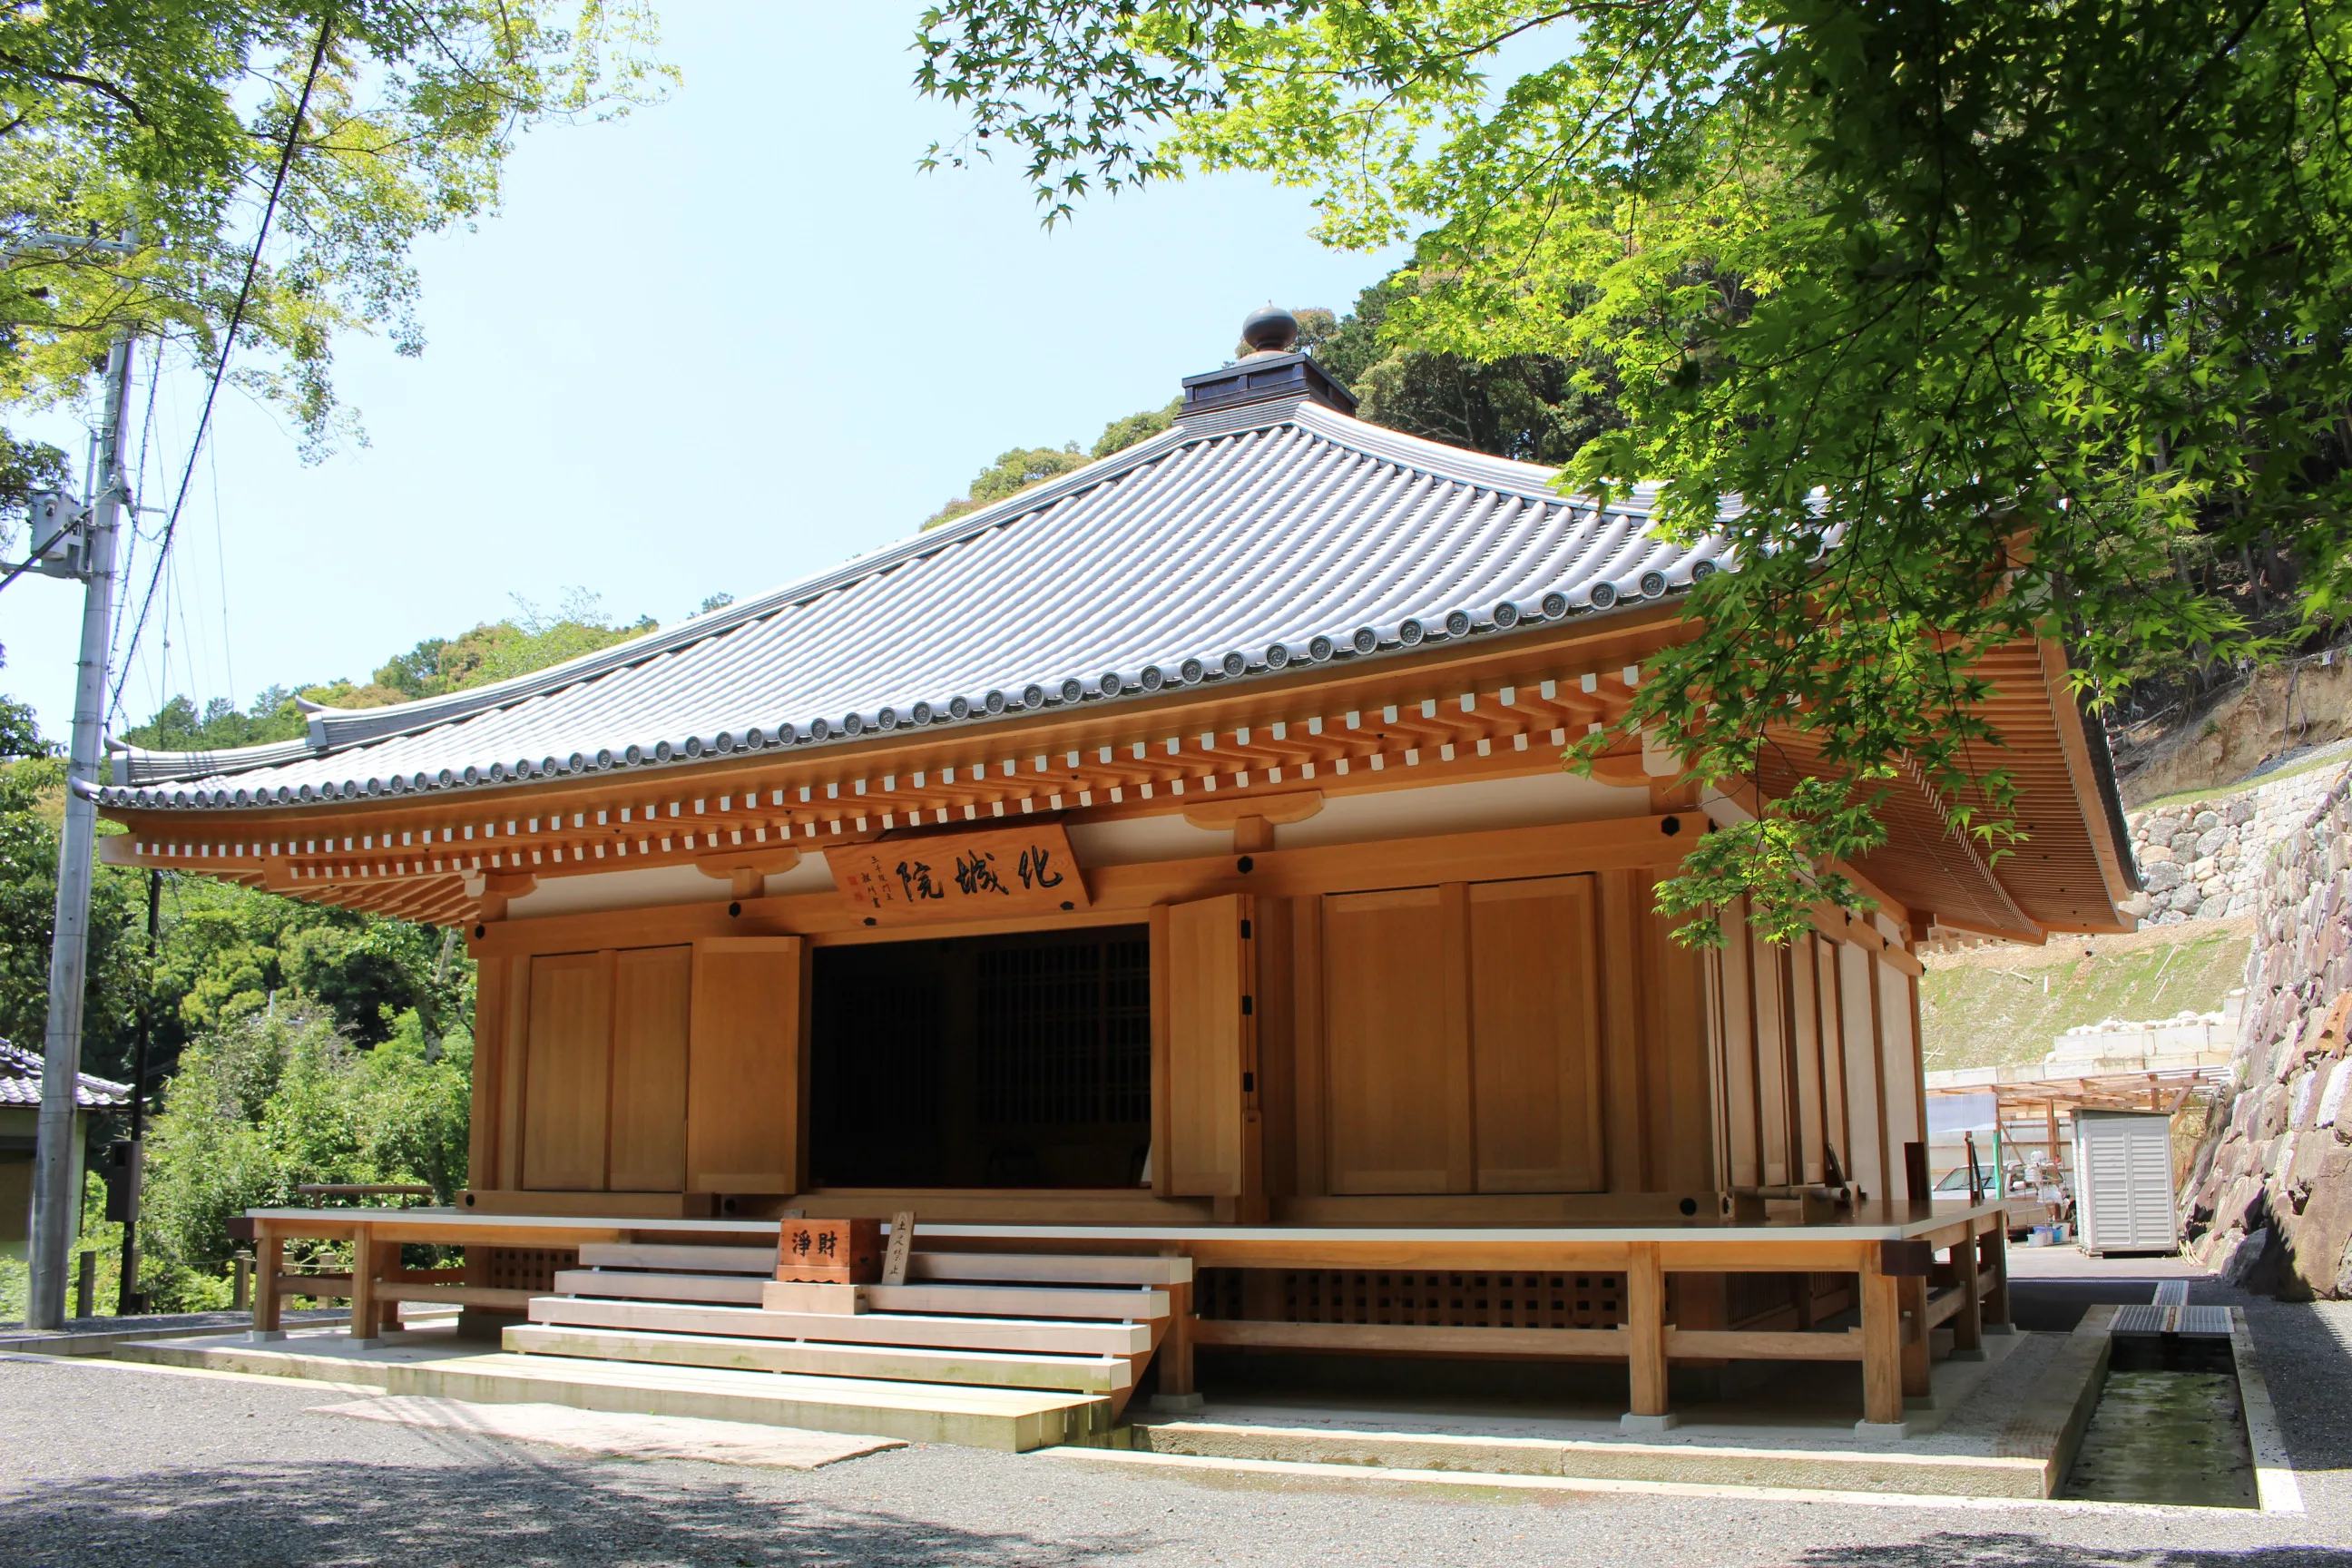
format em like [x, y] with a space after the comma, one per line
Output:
[2182, 1417]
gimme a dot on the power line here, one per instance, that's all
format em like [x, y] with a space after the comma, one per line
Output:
[229, 343]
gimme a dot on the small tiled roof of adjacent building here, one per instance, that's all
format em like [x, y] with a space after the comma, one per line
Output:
[20, 1082]
[1245, 539]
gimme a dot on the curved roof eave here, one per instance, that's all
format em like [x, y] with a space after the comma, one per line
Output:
[1407, 538]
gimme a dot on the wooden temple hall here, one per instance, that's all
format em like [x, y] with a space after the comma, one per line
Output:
[1163, 886]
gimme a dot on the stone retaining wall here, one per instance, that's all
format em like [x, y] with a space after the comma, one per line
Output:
[2270, 1195]
[2205, 859]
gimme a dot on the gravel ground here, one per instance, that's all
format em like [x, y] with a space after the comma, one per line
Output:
[116, 1465]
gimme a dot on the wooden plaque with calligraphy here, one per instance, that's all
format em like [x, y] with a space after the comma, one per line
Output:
[960, 876]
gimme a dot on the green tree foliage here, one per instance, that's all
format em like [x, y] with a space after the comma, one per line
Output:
[264, 1104]
[1533, 407]
[1017, 470]
[32, 809]
[167, 119]
[532, 638]
[1996, 316]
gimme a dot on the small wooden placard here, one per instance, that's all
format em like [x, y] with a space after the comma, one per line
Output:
[960, 876]
[902, 1246]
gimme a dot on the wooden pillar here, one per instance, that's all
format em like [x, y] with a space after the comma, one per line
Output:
[1913, 1289]
[1176, 1344]
[1968, 1326]
[1995, 1243]
[1881, 1347]
[385, 1266]
[1646, 1330]
[364, 1299]
[268, 1262]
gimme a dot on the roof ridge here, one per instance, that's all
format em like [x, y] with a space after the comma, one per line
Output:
[1393, 538]
[335, 729]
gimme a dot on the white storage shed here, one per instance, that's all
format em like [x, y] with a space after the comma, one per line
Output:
[2123, 1182]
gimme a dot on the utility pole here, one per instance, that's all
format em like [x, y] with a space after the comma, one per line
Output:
[127, 1294]
[57, 1206]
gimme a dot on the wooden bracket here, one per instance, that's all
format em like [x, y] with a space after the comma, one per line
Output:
[1217, 815]
[747, 871]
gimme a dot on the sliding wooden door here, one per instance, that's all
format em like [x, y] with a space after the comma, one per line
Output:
[652, 993]
[1535, 1024]
[568, 1072]
[747, 1074]
[1207, 1073]
[1395, 1065]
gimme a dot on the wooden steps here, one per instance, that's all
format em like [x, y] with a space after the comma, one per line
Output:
[1037, 1268]
[758, 1260]
[435, 1363]
[904, 1363]
[1016, 1334]
[1019, 1301]
[1076, 1323]
[737, 1289]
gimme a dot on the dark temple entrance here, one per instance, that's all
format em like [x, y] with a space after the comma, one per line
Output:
[997, 1061]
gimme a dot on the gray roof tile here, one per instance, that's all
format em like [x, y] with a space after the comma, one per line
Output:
[1272, 524]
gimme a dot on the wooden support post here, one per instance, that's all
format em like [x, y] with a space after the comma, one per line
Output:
[364, 1297]
[270, 1262]
[1882, 1348]
[1968, 1324]
[1996, 1261]
[1916, 1384]
[1176, 1346]
[385, 1267]
[1645, 1336]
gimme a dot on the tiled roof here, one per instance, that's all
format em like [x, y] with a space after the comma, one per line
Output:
[1238, 543]
[20, 1082]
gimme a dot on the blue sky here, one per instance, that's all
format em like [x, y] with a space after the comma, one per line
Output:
[724, 343]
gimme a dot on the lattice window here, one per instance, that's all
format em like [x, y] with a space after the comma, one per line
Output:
[1402, 1297]
[526, 1267]
[1064, 1032]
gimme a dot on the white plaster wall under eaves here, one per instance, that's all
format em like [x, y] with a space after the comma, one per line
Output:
[655, 886]
[1475, 806]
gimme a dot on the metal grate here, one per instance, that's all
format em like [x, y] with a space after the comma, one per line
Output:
[2202, 1322]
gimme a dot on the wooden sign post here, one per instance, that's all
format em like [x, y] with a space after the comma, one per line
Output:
[960, 876]
[901, 1248]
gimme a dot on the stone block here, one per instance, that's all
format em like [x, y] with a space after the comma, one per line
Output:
[2213, 840]
[2331, 1097]
[2155, 855]
[2215, 906]
[2185, 841]
[2206, 820]
[2240, 811]
[2163, 878]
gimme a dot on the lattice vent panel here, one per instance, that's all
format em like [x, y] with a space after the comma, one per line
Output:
[1404, 1297]
[527, 1268]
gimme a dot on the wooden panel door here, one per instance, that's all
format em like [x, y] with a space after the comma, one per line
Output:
[567, 1078]
[747, 1066]
[653, 991]
[1534, 1033]
[1208, 1036]
[1395, 1056]
[1865, 1101]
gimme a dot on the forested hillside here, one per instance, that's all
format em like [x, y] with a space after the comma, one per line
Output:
[288, 1042]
